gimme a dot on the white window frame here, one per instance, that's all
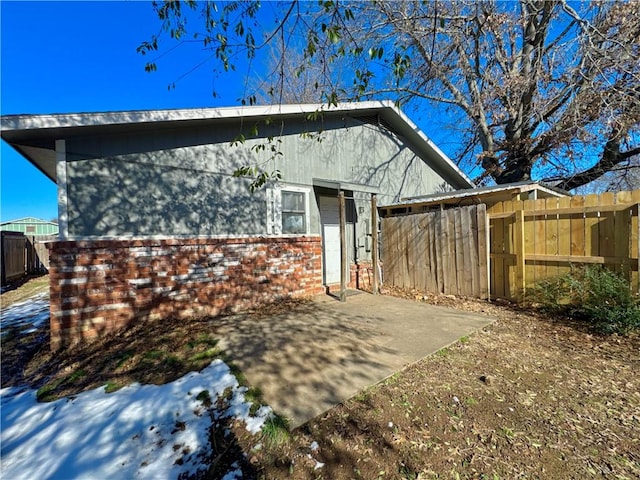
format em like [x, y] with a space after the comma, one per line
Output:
[274, 209]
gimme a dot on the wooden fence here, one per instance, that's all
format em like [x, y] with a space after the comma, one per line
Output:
[532, 240]
[13, 266]
[23, 255]
[443, 251]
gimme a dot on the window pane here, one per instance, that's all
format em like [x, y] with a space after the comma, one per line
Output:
[293, 201]
[293, 223]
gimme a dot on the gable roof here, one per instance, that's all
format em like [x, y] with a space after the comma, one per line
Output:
[34, 136]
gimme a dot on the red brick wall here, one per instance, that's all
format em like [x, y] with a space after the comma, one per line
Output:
[361, 275]
[101, 286]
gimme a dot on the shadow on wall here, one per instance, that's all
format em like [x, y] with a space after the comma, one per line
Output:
[370, 154]
[100, 287]
[180, 182]
[122, 196]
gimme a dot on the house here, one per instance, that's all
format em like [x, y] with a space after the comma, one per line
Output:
[30, 226]
[490, 195]
[154, 222]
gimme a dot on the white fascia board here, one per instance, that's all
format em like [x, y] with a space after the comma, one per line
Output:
[26, 220]
[543, 188]
[518, 187]
[385, 108]
[28, 122]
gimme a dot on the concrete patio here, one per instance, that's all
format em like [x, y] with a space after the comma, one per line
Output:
[317, 355]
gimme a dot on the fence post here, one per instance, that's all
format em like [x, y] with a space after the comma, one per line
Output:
[519, 252]
[484, 247]
[374, 242]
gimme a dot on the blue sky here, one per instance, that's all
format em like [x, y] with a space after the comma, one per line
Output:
[58, 57]
[81, 56]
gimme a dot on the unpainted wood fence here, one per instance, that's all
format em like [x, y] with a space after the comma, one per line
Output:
[23, 255]
[443, 251]
[532, 240]
[505, 250]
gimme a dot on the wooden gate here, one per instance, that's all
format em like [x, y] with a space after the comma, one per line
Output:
[440, 252]
[533, 240]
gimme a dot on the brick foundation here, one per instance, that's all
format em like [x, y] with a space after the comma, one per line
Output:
[361, 275]
[101, 286]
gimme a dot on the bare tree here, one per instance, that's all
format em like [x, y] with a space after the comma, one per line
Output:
[538, 89]
[283, 81]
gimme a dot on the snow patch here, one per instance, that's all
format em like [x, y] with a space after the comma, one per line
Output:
[27, 316]
[137, 432]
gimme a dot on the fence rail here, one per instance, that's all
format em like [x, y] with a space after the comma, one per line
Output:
[532, 240]
[443, 251]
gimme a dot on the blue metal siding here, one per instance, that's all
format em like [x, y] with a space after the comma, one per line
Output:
[180, 181]
[30, 226]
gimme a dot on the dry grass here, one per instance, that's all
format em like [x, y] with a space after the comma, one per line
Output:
[23, 289]
[527, 397]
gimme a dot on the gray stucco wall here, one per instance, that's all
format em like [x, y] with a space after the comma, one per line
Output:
[180, 181]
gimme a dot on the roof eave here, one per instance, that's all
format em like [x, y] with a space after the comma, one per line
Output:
[11, 126]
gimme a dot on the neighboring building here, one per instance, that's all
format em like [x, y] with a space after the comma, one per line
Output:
[157, 185]
[30, 226]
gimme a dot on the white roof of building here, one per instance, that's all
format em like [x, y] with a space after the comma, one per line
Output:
[34, 136]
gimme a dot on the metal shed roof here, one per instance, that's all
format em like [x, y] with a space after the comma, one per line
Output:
[34, 136]
[489, 195]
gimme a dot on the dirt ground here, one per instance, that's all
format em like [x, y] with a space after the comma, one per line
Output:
[24, 288]
[527, 397]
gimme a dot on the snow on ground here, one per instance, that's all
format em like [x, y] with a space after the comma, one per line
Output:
[27, 316]
[140, 431]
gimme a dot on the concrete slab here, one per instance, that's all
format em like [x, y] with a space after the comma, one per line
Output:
[313, 357]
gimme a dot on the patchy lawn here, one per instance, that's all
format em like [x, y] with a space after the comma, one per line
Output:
[527, 397]
[23, 289]
[155, 401]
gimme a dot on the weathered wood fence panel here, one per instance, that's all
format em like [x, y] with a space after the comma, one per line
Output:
[37, 253]
[23, 255]
[13, 256]
[444, 251]
[532, 240]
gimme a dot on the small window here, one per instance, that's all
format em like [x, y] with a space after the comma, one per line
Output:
[293, 212]
[30, 229]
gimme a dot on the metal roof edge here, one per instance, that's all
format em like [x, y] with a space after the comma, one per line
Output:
[80, 119]
[340, 185]
[523, 186]
[386, 108]
[28, 218]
